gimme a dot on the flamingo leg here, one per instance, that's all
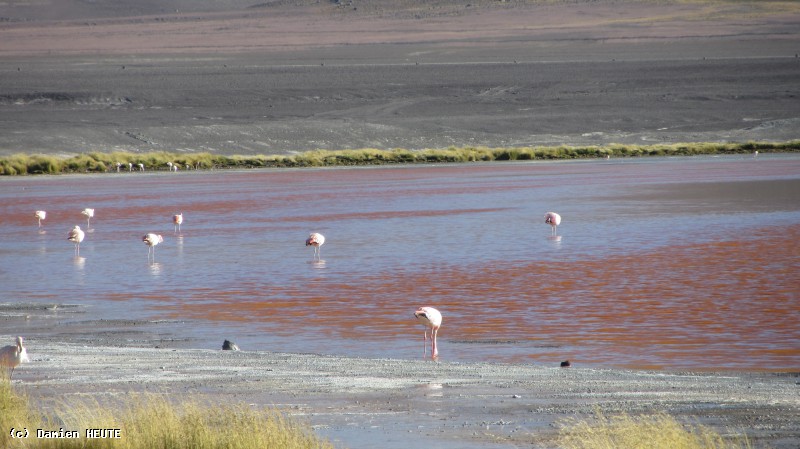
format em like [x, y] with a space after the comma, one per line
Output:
[434, 349]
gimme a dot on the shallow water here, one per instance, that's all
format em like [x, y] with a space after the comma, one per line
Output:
[659, 263]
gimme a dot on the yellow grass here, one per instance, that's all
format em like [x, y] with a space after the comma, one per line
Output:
[151, 421]
[658, 431]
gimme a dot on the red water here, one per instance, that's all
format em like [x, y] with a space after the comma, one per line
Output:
[660, 264]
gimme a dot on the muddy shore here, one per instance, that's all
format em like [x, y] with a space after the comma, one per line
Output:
[389, 403]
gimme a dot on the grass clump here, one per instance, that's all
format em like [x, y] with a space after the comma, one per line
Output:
[23, 164]
[151, 421]
[658, 431]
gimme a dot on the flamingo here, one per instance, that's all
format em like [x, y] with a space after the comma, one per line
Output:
[431, 319]
[76, 236]
[12, 355]
[40, 215]
[88, 213]
[177, 220]
[316, 240]
[151, 240]
[553, 219]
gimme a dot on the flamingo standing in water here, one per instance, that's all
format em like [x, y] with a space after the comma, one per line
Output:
[76, 236]
[432, 320]
[316, 240]
[12, 355]
[151, 240]
[177, 220]
[553, 219]
[88, 213]
[40, 215]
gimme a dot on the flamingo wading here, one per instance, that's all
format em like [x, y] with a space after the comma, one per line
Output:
[88, 213]
[553, 219]
[151, 240]
[432, 320]
[40, 215]
[12, 355]
[316, 240]
[76, 236]
[177, 220]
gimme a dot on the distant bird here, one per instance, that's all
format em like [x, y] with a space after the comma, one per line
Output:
[141, 167]
[316, 240]
[88, 213]
[12, 355]
[119, 165]
[130, 166]
[177, 220]
[566, 364]
[40, 215]
[76, 236]
[169, 164]
[432, 320]
[553, 219]
[151, 240]
[228, 345]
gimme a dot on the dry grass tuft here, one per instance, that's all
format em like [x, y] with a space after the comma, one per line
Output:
[658, 431]
[151, 421]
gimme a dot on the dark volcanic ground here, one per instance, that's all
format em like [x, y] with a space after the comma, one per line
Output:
[238, 78]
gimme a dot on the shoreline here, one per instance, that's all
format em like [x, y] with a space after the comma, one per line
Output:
[120, 162]
[384, 402]
[474, 404]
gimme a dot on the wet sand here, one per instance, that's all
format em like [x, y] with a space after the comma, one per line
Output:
[372, 402]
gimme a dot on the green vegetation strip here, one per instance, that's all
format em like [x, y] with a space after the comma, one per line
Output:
[146, 422]
[99, 162]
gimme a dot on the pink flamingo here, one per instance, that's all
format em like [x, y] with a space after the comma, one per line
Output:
[40, 215]
[151, 240]
[431, 319]
[316, 240]
[12, 355]
[76, 236]
[177, 220]
[88, 213]
[553, 219]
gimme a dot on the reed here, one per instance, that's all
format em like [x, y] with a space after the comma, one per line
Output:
[149, 421]
[657, 431]
[23, 164]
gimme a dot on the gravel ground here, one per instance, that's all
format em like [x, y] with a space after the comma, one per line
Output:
[286, 76]
[388, 403]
